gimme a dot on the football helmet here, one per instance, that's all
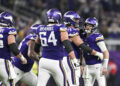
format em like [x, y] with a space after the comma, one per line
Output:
[6, 19]
[92, 21]
[54, 16]
[33, 29]
[71, 18]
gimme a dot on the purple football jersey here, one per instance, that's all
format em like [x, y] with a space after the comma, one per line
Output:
[4, 48]
[52, 47]
[71, 33]
[91, 41]
[24, 50]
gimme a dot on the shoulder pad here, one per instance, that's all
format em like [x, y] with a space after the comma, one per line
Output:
[72, 32]
[99, 37]
[62, 27]
[12, 31]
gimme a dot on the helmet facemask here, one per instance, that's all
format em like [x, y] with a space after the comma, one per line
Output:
[88, 28]
[91, 25]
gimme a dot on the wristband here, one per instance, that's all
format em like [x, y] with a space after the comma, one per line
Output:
[105, 63]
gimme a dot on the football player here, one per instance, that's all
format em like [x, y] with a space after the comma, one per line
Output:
[26, 47]
[8, 45]
[52, 38]
[72, 20]
[95, 68]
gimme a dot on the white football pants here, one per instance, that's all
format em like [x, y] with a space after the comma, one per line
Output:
[7, 73]
[92, 72]
[54, 68]
[73, 75]
[29, 78]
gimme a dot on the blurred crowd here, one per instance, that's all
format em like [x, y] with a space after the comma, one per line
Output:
[107, 12]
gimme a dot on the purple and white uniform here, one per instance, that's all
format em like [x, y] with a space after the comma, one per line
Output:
[6, 67]
[92, 41]
[52, 47]
[24, 50]
[52, 54]
[93, 68]
[72, 75]
[5, 52]
[23, 71]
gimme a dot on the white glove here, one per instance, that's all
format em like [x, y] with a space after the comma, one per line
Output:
[100, 55]
[75, 63]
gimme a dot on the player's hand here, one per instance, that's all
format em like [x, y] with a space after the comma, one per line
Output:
[100, 55]
[75, 63]
[104, 71]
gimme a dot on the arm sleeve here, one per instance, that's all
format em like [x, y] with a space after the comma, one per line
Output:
[85, 48]
[67, 46]
[12, 31]
[14, 49]
[102, 46]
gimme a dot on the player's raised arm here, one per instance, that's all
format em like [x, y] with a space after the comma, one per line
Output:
[37, 45]
[26, 47]
[31, 43]
[31, 52]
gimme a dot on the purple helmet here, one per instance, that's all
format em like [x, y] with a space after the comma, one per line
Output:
[6, 19]
[54, 15]
[92, 21]
[33, 29]
[71, 18]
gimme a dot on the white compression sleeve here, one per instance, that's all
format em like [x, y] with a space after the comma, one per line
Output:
[102, 46]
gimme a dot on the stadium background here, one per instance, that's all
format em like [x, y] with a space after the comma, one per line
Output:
[29, 12]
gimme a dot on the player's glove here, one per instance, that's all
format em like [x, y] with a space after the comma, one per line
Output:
[75, 63]
[100, 55]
